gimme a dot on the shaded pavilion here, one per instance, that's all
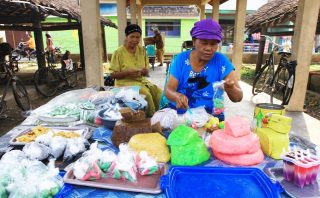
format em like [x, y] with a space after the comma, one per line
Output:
[304, 15]
[29, 15]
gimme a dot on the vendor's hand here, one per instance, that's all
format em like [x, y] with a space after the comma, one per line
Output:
[133, 73]
[181, 101]
[229, 84]
[144, 72]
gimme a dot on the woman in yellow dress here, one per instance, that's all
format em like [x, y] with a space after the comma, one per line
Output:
[130, 66]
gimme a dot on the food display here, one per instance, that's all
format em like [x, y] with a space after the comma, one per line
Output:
[236, 144]
[40, 133]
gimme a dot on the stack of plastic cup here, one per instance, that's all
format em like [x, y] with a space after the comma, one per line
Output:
[301, 167]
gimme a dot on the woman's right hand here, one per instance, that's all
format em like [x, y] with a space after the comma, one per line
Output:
[133, 73]
[181, 101]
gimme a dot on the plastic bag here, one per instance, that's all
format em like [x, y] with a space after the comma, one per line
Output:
[74, 146]
[107, 160]
[57, 145]
[44, 139]
[197, 117]
[131, 97]
[187, 148]
[218, 99]
[37, 151]
[152, 143]
[101, 97]
[86, 169]
[125, 167]
[166, 117]
[3, 192]
[146, 164]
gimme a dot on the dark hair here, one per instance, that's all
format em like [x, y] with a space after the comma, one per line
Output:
[132, 28]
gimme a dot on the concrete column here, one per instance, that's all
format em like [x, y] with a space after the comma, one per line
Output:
[238, 35]
[139, 13]
[304, 31]
[133, 11]
[92, 41]
[215, 10]
[202, 11]
[122, 20]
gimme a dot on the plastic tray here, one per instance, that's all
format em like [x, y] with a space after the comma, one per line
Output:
[290, 188]
[84, 133]
[145, 183]
[218, 182]
[61, 119]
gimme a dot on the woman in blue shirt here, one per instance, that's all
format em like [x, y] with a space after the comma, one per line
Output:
[193, 72]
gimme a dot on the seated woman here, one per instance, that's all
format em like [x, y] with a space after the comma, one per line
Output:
[193, 72]
[129, 66]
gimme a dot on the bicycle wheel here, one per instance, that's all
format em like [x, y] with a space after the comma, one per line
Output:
[21, 95]
[72, 78]
[3, 72]
[262, 81]
[46, 81]
[280, 80]
[288, 89]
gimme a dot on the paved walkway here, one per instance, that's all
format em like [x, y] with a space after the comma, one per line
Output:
[303, 125]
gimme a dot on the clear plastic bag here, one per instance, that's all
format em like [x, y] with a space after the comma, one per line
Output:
[107, 161]
[74, 147]
[146, 164]
[218, 99]
[86, 169]
[36, 151]
[125, 167]
[57, 145]
[44, 139]
[166, 117]
[197, 117]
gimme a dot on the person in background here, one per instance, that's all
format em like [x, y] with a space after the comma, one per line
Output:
[29, 43]
[50, 47]
[159, 45]
[193, 72]
[130, 65]
[66, 63]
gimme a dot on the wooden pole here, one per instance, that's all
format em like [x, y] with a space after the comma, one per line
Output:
[104, 46]
[82, 59]
[39, 43]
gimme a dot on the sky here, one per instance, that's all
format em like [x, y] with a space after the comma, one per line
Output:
[231, 5]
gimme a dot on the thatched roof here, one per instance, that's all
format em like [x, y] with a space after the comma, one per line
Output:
[24, 11]
[273, 12]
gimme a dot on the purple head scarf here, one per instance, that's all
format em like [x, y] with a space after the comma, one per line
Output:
[207, 29]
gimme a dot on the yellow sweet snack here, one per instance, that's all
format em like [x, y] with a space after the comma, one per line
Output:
[33, 134]
[67, 134]
[39, 130]
[153, 143]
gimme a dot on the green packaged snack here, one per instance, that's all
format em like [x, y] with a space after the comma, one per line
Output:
[3, 192]
[187, 148]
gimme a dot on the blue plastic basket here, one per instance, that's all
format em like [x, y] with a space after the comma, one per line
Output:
[221, 182]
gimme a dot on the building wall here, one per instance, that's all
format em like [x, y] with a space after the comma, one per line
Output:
[2, 36]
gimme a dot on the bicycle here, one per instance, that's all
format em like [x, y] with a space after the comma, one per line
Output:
[279, 82]
[19, 91]
[48, 79]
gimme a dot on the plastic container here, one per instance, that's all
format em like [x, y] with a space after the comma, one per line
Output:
[206, 182]
[107, 122]
[300, 167]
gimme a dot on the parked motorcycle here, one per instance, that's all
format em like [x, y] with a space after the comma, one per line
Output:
[21, 52]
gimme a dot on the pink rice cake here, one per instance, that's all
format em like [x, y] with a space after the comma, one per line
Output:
[224, 143]
[237, 126]
[241, 160]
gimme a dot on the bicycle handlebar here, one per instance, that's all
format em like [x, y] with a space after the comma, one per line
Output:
[270, 39]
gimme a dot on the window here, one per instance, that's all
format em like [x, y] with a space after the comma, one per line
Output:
[171, 28]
